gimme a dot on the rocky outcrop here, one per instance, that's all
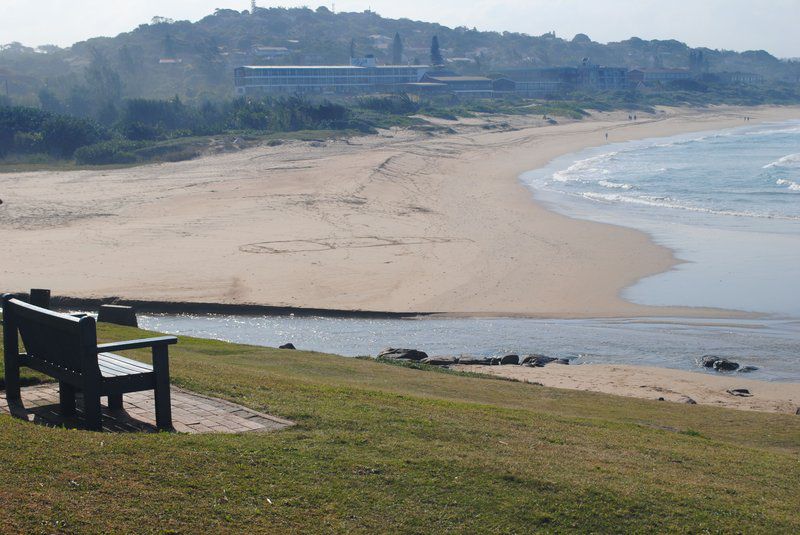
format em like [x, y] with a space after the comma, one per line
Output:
[474, 361]
[719, 363]
[539, 361]
[287, 346]
[509, 359]
[740, 392]
[440, 361]
[402, 354]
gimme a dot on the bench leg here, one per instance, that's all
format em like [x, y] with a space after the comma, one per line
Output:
[10, 360]
[115, 402]
[66, 398]
[91, 408]
[163, 404]
[12, 381]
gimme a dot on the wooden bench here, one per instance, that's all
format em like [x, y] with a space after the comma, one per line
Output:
[65, 347]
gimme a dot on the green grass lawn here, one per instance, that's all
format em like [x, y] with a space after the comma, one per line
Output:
[382, 448]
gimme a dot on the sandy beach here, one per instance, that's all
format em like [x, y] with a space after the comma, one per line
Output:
[647, 382]
[403, 221]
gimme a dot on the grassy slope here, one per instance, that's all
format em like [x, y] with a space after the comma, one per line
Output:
[387, 448]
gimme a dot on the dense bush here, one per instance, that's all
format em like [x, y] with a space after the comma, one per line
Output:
[394, 104]
[30, 130]
[107, 152]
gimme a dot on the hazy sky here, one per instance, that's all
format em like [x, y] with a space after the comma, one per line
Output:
[771, 25]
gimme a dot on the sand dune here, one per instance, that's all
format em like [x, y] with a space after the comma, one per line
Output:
[403, 221]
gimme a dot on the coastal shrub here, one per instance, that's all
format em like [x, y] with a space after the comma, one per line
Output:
[392, 104]
[62, 135]
[106, 153]
[141, 132]
[36, 130]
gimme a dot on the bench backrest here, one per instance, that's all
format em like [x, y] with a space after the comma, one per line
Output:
[60, 340]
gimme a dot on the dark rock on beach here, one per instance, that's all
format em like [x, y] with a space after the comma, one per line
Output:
[740, 392]
[539, 361]
[475, 361]
[402, 354]
[709, 360]
[287, 346]
[440, 361]
[509, 359]
[725, 365]
[720, 364]
[747, 369]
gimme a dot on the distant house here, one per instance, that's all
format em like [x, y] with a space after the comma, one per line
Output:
[381, 42]
[739, 78]
[462, 86]
[601, 78]
[269, 52]
[541, 82]
[170, 61]
[657, 76]
[503, 87]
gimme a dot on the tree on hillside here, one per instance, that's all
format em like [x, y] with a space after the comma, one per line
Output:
[352, 48]
[103, 81]
[436, 54]
[397, 49]
[49, 101]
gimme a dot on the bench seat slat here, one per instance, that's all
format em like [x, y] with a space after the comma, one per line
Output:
[126, 362]
[115, 366]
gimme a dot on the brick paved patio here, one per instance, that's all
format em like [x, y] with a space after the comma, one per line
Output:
[191, 413]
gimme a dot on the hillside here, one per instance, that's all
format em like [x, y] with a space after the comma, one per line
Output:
[195, 60]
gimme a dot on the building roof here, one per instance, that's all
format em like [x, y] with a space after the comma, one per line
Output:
[662, 70]
[426, 84]
[332, 67]
[446, 79]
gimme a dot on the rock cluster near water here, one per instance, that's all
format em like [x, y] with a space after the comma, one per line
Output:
[722, 364]
[511, 359]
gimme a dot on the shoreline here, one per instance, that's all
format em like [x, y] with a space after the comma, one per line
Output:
[394, 224]
[648, 382]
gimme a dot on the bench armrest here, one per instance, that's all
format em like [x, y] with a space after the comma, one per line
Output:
[137, 344]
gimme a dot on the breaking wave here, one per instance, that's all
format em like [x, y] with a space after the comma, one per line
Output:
[791, 160]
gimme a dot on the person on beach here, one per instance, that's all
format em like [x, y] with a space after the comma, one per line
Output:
[606, 136]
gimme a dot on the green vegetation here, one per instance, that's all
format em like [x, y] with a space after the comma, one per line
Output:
[154, 130]
[145, 130]
[381, 448]
[196, 60]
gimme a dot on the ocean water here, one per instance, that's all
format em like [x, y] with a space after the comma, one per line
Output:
[770, 344]
[727, 202]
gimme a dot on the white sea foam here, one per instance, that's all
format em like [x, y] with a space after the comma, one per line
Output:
[614, 185]
[790, 130]
[577, 171]
[669, 202]
[793, 186]
[790, 160]
[689, 141]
